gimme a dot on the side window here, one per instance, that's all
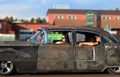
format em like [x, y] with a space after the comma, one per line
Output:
[80, 37]
[85, 38]
[59, 37]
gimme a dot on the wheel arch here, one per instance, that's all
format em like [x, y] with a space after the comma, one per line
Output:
[112, 69]
[8, 54]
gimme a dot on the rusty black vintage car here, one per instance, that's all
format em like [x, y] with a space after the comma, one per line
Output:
[44, 52]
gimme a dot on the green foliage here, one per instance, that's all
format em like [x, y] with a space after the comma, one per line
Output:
[117, 9]
[9, 18]
[32, 20]
[39, 20]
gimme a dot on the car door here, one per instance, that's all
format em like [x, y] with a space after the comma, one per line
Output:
[56, 57]
[89, 58]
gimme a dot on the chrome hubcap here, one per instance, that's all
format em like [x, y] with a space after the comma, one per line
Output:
[5, 67]
[117, 69]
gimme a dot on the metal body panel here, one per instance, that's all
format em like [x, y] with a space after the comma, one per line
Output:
[90, 58]
[56, 58]
[113, 55]
[23, 57]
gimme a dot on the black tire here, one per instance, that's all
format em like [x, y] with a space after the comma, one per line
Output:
[114, 70]
[6, 67]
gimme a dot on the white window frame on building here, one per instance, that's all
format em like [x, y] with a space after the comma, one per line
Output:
[72, 17]
[106, 17]
[117, 18]
[0, 26]
[59, 17]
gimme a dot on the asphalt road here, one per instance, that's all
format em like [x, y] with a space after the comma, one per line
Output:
[63, 75]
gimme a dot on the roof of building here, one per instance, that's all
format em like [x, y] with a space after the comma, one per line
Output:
[69, 22]
[81, 11]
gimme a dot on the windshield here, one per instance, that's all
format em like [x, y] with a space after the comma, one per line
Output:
[38, 37]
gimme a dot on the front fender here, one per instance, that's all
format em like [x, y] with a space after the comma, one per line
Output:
[7, 54]
[23, 61]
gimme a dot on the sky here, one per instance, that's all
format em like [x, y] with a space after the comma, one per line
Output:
[26, 9]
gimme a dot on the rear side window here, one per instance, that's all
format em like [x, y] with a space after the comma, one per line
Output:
[87, 37]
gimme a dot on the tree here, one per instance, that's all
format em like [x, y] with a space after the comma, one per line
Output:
[6, 18]
[24, 21]
[32, 20]
[38, 20]
[117, 9]
[44, 20]
[11, 19]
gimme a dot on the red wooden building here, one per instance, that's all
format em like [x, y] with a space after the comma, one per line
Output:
[6, 27]
[107, 19]
[21, 31]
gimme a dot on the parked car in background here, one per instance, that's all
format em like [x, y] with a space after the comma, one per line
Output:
[42, 54]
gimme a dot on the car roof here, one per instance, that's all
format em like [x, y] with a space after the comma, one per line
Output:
[96, 29]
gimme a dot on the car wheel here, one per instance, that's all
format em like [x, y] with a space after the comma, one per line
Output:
[114, 70]
[6, 67]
